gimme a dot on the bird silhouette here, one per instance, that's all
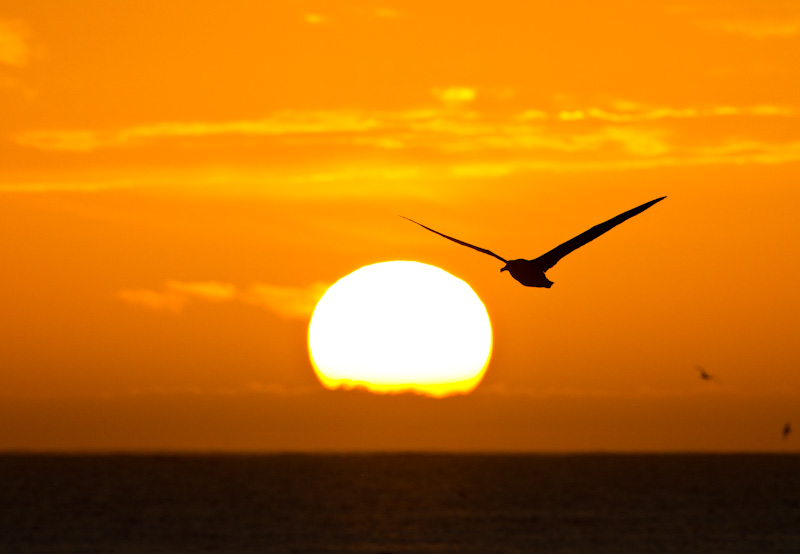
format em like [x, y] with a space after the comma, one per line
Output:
[787, 428]
[704, 375]
[531, 273]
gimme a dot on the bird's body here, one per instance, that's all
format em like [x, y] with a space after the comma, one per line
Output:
[787, 429]
[531, 273]
[527, 273]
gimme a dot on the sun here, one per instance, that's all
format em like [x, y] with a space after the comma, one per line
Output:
[400, 327]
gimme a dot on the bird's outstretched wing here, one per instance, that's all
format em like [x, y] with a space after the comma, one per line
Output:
[479, 249]
[548, 260]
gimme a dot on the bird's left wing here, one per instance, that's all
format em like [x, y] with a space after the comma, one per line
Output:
[479, 249]
[548, 260]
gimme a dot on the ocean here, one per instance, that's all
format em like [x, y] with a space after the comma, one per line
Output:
[399, 503]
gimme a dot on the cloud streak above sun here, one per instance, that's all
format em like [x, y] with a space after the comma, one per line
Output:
[285, 301]
[455, 140]
[430, 128]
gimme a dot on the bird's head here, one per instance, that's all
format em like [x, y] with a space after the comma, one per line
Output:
[511, 264]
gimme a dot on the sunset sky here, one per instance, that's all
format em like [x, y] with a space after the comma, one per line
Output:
[180, 182]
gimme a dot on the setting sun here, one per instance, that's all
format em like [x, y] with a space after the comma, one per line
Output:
[400, 326]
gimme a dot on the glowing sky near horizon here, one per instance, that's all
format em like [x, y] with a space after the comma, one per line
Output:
[180, 183]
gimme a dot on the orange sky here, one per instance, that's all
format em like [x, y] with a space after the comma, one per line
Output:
[178, 183]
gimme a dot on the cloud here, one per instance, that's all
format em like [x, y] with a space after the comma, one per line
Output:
[165, 300]
[341, 180]
[763, 28]
[285, 301]
[455, 96]
[207, 290]
[281, 124]
[779, 19]
[437, 129]
[177, 294]
[422, 146]
[633, 113]
[70, 141]
[749, 151]
[350, 14]
[386, 13]
[86, 185]
[729, 153]
[14, 46]
[640, 142]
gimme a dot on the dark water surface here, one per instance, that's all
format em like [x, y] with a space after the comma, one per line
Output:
[400, 503]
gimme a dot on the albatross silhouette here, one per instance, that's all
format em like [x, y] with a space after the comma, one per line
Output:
[531, 273]
[704, 375]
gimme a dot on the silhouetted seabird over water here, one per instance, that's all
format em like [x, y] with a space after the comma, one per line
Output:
[787, 429]
[531, 273]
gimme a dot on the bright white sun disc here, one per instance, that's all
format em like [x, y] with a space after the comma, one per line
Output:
[400, 326]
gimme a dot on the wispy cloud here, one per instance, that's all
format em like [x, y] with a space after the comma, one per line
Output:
[314, 18]
[155, 300]
[430, 128]
[337, 13]
[729, 153]
[15, 48]
[285, 301]
[87, 185]
[760, 28]
[386, 13]
[476, 137]
[629, 112]
[176, 294]
[455, 96]
[430, 144]
[755, 20]
[68, 140]
[281, 124]
[211, 291]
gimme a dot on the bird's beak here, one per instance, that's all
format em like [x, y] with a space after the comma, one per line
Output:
[503, 269]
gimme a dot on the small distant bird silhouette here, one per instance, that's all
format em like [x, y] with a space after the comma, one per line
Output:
[704, 375]
[531, 273]
[787, 428]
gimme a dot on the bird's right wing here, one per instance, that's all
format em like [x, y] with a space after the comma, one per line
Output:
[548, 260]
[479, 249]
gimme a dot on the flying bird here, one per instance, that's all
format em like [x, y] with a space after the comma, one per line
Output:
[531, 273]
[704, 375]
[787, 428]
